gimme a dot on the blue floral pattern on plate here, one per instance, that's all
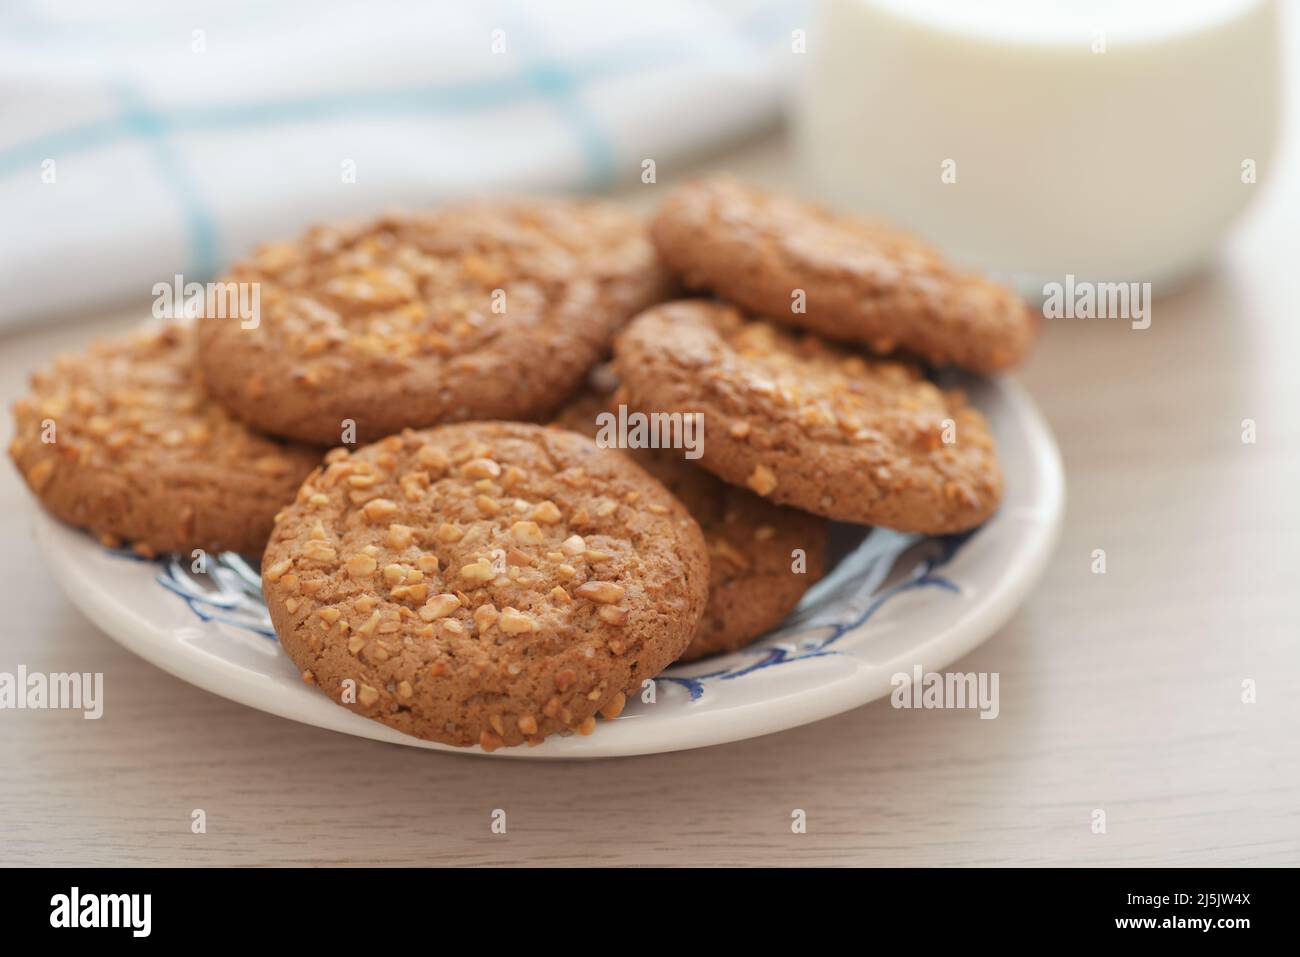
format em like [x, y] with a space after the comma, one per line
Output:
[884, 565]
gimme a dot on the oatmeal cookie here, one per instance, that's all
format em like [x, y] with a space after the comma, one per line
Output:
[484, 583]
[860, 283]
[122, 440]
[807, 424]
[476, 311]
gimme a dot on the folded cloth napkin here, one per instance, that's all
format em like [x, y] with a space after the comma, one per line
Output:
[166, 137]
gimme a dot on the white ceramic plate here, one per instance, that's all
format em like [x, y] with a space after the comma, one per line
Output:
[892, 602]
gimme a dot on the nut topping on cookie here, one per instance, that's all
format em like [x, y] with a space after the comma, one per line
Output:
[121, 440]
[918, 459]
[472, 311]
[510, 618]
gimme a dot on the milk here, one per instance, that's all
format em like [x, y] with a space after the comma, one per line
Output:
[1112, 140]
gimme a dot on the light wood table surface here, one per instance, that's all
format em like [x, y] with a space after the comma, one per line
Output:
[1119, 692]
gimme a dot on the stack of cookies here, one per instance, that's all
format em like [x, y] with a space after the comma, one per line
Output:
[405, 434]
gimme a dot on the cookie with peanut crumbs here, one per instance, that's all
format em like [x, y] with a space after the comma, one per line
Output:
[754, 580]
[804, 423]
[484, 583]
[860, 283]
[121, 440]
[470, 312]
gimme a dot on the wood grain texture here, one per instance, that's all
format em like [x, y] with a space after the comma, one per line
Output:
[1118, 691]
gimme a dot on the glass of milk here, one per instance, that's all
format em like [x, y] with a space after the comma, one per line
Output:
[1108, 140]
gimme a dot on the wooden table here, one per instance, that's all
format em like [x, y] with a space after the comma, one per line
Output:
[1120, 692]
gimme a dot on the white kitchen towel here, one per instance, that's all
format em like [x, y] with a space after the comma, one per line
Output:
[141, 141]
